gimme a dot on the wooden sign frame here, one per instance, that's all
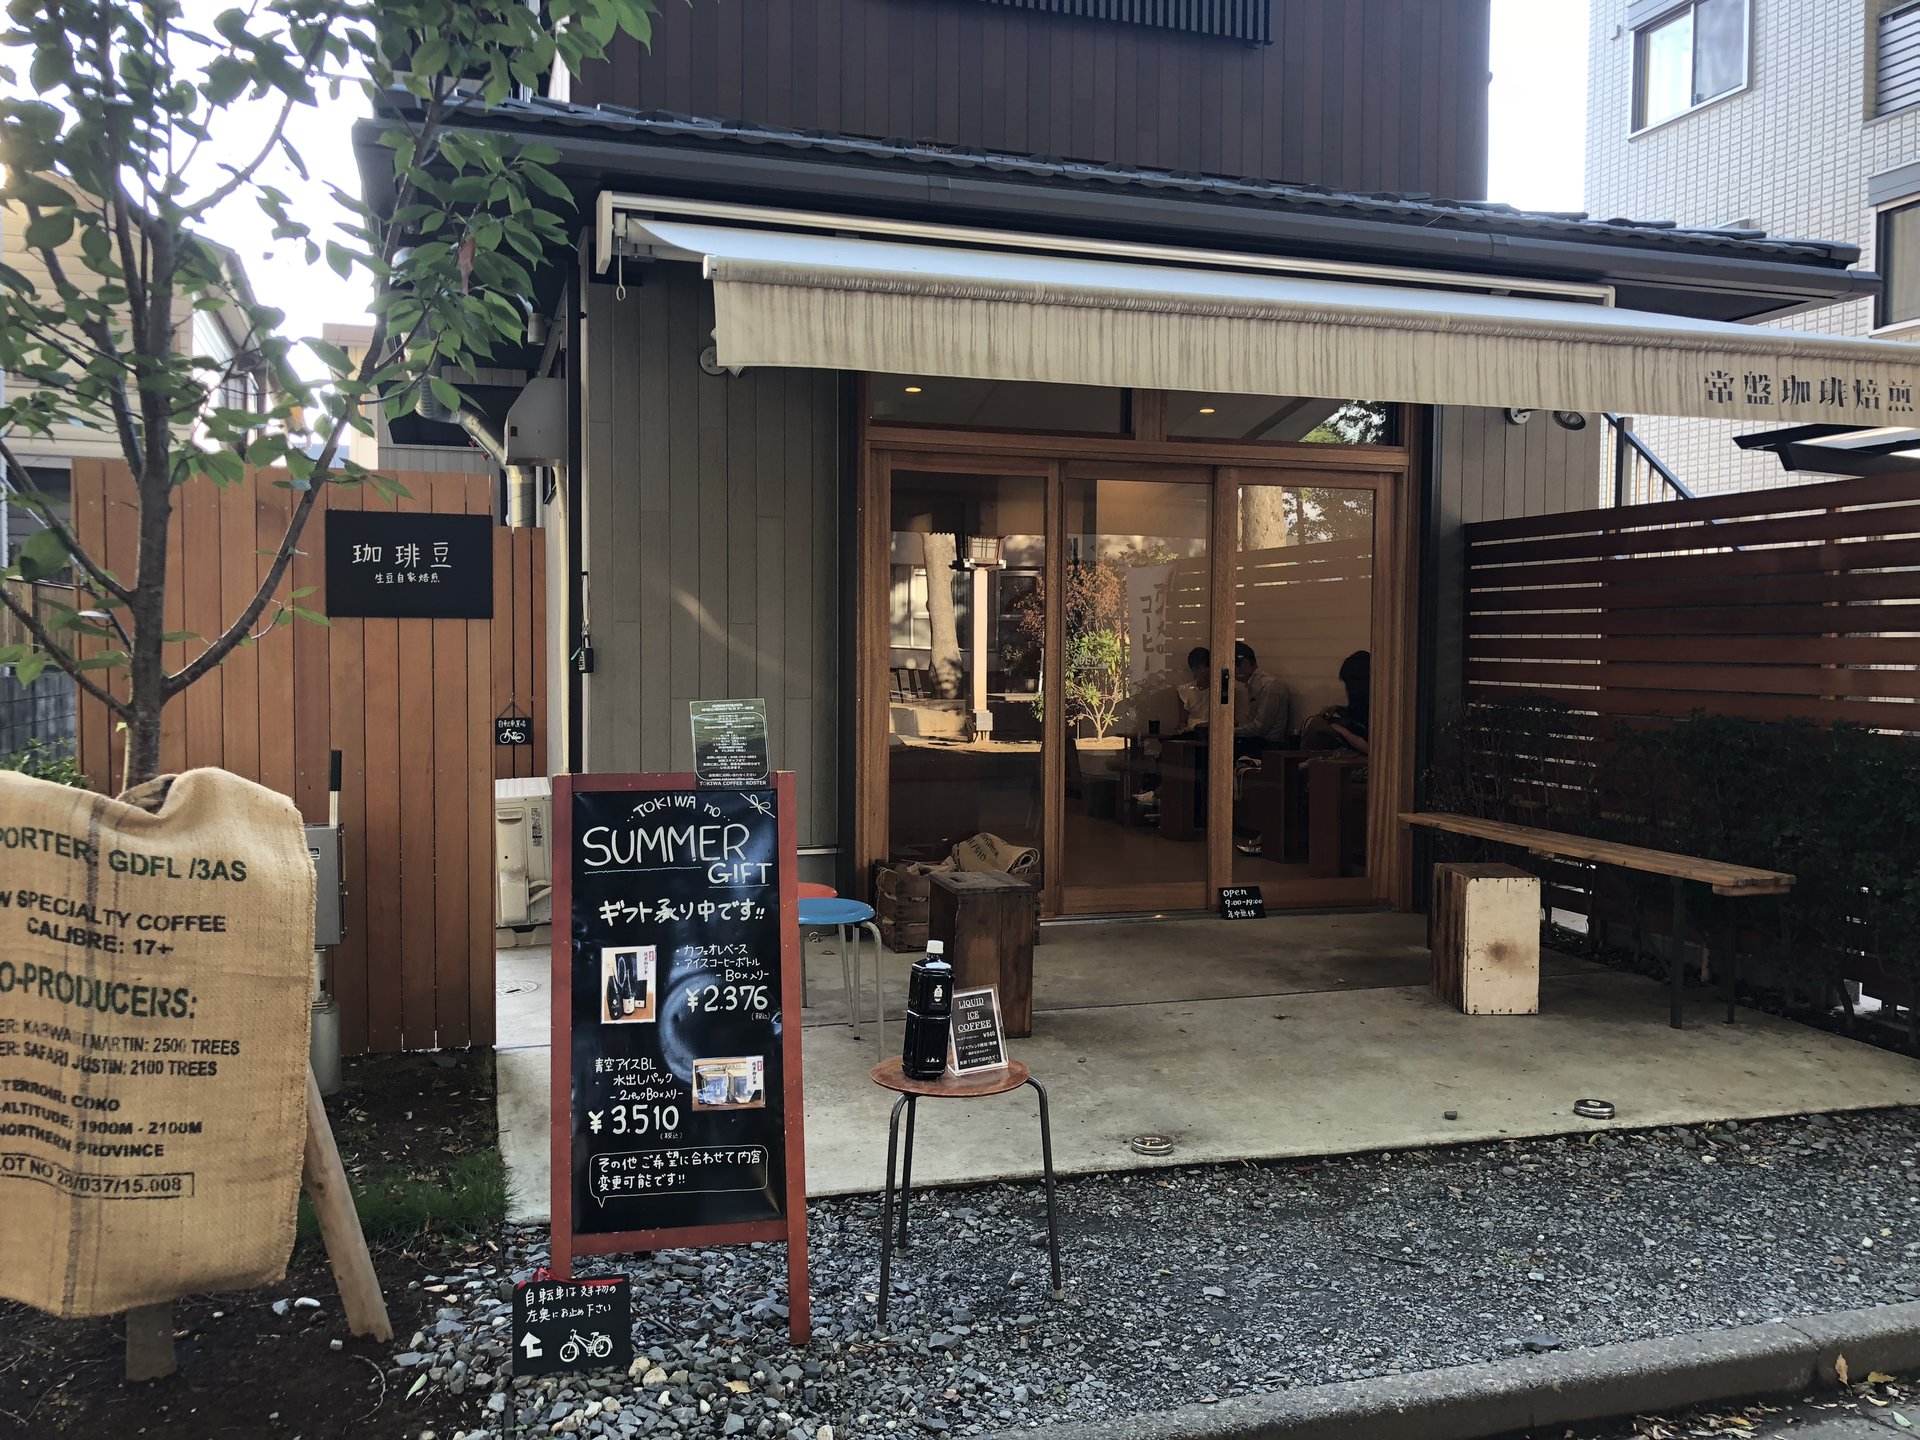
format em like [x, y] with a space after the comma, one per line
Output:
[792, 1226]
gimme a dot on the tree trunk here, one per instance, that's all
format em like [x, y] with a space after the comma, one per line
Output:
[1263, 517]
[938, 552]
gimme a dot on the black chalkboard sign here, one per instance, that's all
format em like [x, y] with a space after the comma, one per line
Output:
[409, 565]
[572, 1325]
[677, 1106]
[975, 1041]
[1242, 902]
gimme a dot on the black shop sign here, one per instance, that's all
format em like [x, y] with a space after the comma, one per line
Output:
[1242, 902]
[403, 565]
[677, 950]
[572, 1325]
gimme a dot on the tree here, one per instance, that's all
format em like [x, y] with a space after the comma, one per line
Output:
[146, 123]
[1096, 672]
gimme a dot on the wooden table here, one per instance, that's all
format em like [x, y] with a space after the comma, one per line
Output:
[892, 1076]
[1720, 876]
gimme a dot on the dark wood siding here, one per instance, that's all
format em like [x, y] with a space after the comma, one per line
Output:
[1359, 94]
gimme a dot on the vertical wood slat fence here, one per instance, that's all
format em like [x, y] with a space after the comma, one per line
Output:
[409, 703]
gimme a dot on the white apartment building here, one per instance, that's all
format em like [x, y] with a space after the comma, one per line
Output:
[1794, 117]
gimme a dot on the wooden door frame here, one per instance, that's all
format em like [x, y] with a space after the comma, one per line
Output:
[1392, 472]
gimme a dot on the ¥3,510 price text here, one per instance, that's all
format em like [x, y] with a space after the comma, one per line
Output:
[634, 1119]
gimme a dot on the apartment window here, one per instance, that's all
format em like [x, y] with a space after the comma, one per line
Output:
[1687, 55]
[1896, 70]
[1898, 261]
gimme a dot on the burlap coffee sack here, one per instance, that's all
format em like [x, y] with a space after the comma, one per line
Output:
[987, 851]
[154, 1002]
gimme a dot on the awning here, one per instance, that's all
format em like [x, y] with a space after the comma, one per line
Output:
[831, 302]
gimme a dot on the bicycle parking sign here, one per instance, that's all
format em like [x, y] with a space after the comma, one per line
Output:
[572, 1325]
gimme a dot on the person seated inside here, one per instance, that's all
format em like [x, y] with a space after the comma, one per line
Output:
[1268, 705]
[1195, 700]
[1344, 727]
[1194, 708]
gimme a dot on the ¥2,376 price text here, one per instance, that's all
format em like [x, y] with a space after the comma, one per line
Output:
[635, 1119]
[711, 998]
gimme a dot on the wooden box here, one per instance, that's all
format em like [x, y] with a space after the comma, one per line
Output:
[986, 920]
[1484, 929]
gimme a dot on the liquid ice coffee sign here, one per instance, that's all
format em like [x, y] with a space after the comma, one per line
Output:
[676, 1069]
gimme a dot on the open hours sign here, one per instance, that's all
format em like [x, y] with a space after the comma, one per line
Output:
[676, 1098]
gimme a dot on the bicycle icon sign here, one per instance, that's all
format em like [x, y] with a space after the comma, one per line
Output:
[599, 1347]
[572, 1325]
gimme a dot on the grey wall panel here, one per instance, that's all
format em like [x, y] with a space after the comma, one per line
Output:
[1487, 469]
[711, 534]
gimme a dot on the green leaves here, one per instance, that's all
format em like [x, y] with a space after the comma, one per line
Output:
[44, 556]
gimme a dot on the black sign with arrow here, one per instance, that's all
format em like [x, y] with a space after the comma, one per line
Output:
[572, 1325]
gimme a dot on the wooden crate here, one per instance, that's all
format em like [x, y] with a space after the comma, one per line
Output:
[1484, 929]
[986, 920]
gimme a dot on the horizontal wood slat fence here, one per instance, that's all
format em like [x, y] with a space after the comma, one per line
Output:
[1773, 604]
[1792, 603]
[409, 704]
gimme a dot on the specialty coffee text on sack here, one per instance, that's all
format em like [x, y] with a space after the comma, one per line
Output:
[154, 978]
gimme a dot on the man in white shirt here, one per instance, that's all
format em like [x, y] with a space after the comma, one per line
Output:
[1269, 706]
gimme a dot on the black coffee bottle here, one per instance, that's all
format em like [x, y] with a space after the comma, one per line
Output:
[929, 1014]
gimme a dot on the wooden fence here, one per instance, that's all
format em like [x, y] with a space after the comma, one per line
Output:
[408, 703]
[1767, 605]
[1795, 603]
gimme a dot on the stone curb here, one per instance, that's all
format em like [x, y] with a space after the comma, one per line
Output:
[1571, 1387]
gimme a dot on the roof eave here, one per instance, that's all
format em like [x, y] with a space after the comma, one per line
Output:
[1659, 278]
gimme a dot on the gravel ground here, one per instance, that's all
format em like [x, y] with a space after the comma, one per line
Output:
[1194, 1284]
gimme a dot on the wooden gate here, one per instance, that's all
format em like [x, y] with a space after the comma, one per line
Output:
[409, 704]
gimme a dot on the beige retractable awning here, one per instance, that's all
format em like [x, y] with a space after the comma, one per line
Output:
[823, 301]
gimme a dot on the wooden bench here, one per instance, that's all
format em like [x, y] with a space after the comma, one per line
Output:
[1719, 876]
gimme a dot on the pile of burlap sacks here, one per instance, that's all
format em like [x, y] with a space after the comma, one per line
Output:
[902, 889]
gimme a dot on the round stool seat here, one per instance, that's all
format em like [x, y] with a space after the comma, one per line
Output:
[838, 911]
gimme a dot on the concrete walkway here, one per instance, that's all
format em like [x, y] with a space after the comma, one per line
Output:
[1299, 1035]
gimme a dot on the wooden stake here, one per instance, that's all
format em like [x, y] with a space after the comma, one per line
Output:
[150, 1342]
[326, 1181]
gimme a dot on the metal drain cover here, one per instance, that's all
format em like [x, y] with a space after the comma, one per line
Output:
[1153, 1144]
[1593, 1109]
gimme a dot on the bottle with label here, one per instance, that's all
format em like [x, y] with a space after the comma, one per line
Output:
[929, 1015]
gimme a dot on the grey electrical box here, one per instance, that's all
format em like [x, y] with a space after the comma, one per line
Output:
[329, 881]
[537, 424]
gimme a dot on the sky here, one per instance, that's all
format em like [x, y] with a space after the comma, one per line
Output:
[1537, 111]
[1537, 104]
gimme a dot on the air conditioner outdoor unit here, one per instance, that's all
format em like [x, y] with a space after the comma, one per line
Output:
[523, 852]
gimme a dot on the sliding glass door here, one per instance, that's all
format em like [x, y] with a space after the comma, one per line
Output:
[1142, 681]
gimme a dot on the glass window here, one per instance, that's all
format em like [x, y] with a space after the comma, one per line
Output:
[964, 709]
[1898, 262]
[1688, 57]
[1278, 419]
[995, 405]
[1138, 681]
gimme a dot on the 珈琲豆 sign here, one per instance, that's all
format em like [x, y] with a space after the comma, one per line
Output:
[409, 565]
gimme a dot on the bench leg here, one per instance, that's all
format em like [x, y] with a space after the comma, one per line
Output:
[886, 1210]
[1046, 1166]
[906, 1169]
[1676, 968]
[1733, 967]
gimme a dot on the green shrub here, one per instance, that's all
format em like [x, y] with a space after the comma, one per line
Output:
[46, 761]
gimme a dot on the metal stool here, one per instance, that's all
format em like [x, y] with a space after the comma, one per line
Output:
[849, 917]
[891, 1076]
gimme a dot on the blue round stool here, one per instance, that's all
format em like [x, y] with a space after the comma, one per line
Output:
[849, 917]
